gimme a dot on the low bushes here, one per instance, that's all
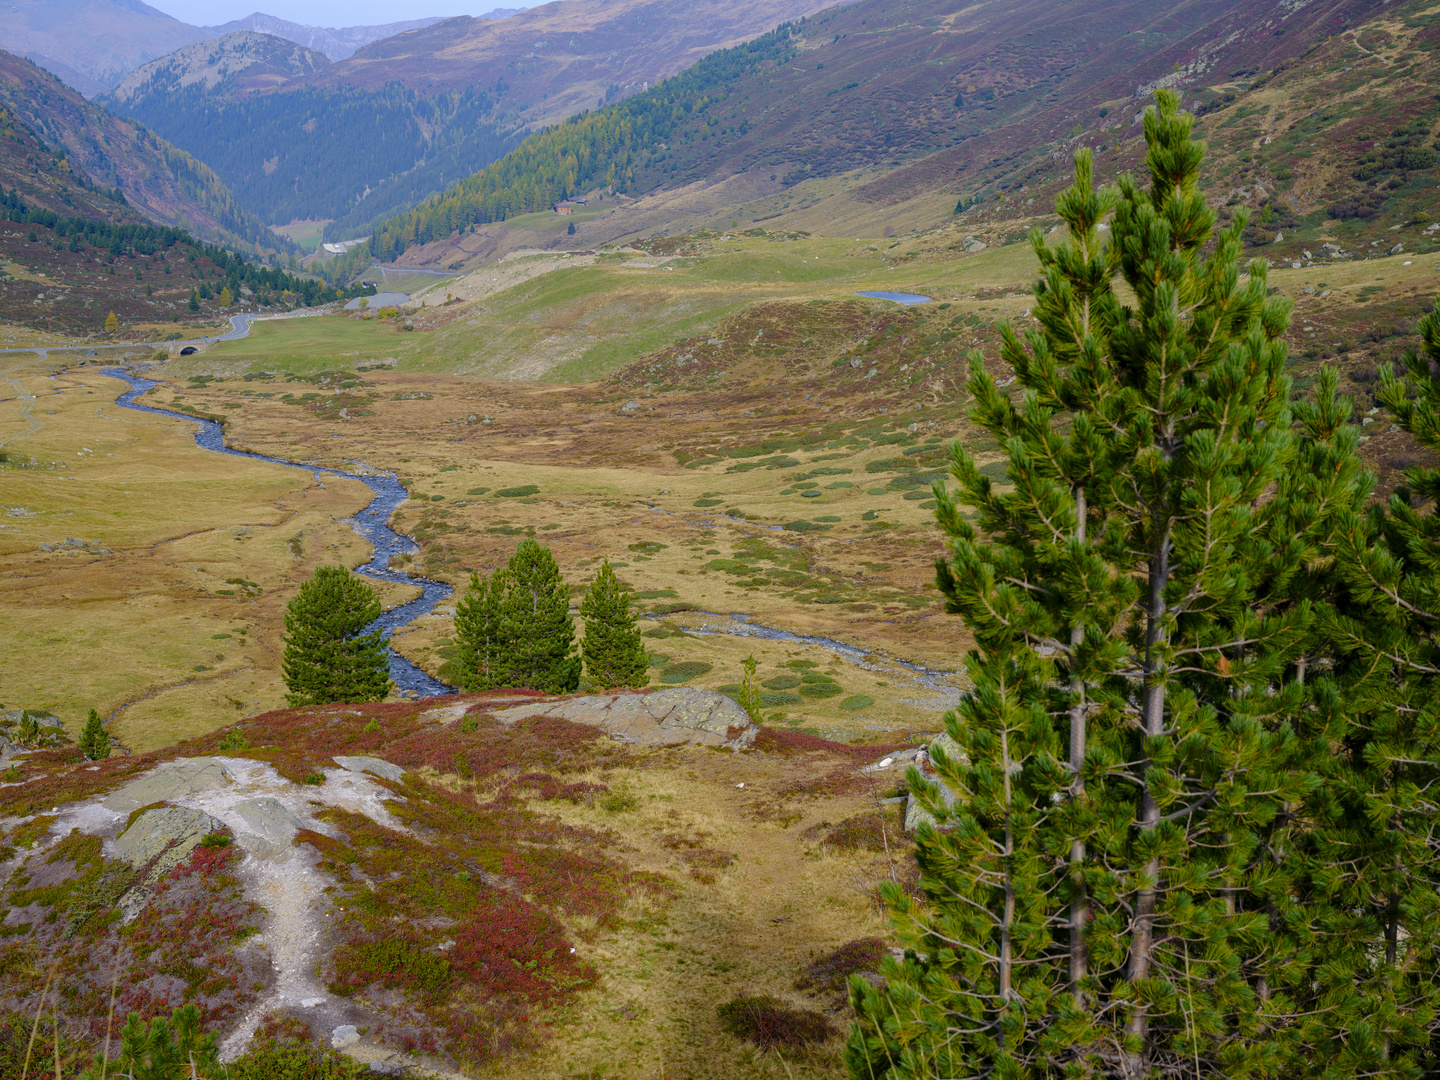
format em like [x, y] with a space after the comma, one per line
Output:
[772, 1025]
[831, 973]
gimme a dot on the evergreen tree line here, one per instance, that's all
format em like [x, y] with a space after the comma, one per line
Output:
[350, 154]
[1194, 829]
[513, 628]
[150, 240]
[586, 151]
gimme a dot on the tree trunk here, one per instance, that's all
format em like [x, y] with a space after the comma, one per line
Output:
[1152, 722]
[1080, 901]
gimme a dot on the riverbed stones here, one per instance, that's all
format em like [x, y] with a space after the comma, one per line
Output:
[373, 765]
[171, 782]
[679, 717]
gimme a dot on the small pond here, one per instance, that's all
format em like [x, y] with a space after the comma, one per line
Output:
[899, 297]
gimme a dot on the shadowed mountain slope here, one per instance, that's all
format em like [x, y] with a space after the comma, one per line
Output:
[564, 57]
[91, 44]
[337, 43]
[165, 184]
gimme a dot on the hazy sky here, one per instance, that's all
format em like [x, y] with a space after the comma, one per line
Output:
[326, 12]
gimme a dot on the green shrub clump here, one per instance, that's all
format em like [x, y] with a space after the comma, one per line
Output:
[684, 672]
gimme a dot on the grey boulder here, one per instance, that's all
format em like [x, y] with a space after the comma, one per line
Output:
[269, 827]
[373, 765]
[343, 1036]
[170, 782]
[679, 717]
[171, 832]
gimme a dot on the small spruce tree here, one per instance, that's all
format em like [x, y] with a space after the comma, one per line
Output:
[482, 657]
[613, 652]
[328, 655]
[515, 627]
[94, 742]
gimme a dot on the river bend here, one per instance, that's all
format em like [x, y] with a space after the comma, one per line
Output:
[372, 523]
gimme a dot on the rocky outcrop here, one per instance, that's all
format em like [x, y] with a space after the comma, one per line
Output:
[680, 717]
[171, 782]
[373, 765]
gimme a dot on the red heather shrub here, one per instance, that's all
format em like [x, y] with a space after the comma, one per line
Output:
[397, 959]
[549, 788]
[205, 860]
[511, 949]
[782, 741]
[831, 973]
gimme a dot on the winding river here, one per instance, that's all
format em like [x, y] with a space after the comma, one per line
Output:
[372, 523]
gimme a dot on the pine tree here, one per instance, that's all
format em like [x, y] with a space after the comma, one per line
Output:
[1379, 839]
[111, 323]
[749, 697]
[481, 657]
[535, 623]
[1119, 888]
[328, 655]
[515, 628]
[613, 651]
[94, 742]
[226, 298]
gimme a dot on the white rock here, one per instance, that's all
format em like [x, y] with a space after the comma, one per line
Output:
[343, 1036]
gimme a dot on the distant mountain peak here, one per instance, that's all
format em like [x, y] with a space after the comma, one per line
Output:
[245, 60]
[338, 43]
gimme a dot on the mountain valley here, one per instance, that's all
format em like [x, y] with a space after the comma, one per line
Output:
[733, 299]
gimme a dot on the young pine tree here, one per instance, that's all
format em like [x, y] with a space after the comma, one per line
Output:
[535, 623]
[482, 657]
[94, 742]
[328, 656]
[1120, 887]
[515, 628]
[612, 649]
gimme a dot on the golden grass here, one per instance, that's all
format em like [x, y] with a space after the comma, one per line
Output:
[783, 901]
[137, 611]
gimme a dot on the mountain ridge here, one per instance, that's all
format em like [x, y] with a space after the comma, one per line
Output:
[337, 43]
[244, 61]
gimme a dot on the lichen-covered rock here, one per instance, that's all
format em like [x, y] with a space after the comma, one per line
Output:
[916, 813]
[169, 831]
[163, 838]
[684, 715]
[170, 782]
[269, 827]
[374, 765]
